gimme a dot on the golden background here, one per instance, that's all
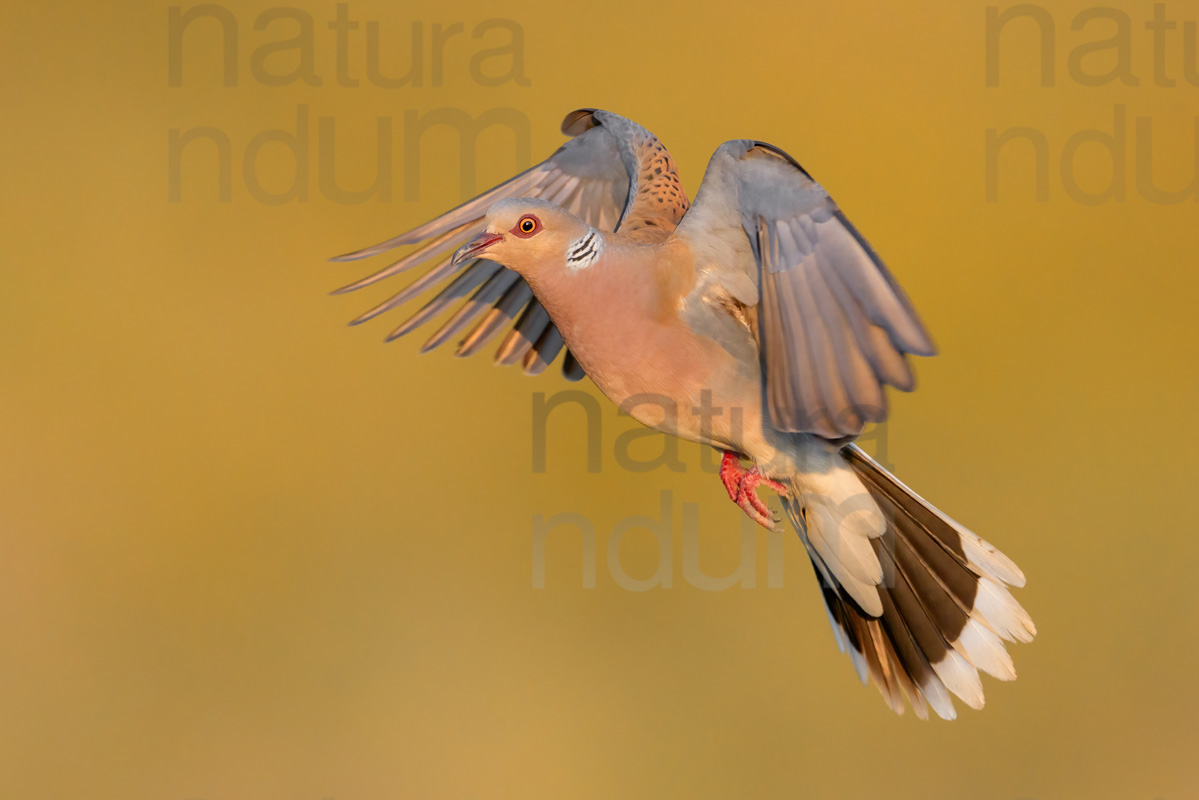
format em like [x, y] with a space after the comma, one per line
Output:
[251, 554]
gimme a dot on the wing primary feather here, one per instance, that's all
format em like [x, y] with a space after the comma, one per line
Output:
[505, 310]
[528, 329]
[475, 273]
[553, 183]
[470, 210]
[543, 353]
[444, 242]
[843, 416]
[442, 270]
[857, 374]
[803, 374]
[774, 362]
[493, 289]
[592, 198]
[882, 299]
[920, 335]
[572, 370]
[888, 364]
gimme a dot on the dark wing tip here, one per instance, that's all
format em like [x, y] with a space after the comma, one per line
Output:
[783, 154]
[579, 121]
[925, 347]
[571, 369]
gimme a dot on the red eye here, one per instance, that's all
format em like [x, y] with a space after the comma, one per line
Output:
[527, 226]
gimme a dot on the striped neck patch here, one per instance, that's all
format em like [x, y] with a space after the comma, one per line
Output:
[582, 252]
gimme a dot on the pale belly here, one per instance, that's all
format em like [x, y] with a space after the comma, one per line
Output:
[688, 386]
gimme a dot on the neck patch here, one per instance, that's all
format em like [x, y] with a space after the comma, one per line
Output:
[582, 252]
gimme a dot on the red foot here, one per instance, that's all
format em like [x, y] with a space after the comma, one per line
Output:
[742, 485]
[731, 473]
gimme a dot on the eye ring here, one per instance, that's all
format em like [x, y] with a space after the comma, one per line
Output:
[527, 226]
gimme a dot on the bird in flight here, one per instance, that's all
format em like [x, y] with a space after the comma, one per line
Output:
[757, 320]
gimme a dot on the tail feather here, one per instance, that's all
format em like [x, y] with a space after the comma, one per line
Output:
[938, 609]
[972, 551]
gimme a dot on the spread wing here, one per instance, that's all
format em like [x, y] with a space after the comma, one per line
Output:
[833, 326]
[594, 175]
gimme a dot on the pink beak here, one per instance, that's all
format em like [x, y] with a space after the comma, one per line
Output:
[475, 246]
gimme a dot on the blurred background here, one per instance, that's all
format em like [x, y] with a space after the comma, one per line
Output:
[249, 553]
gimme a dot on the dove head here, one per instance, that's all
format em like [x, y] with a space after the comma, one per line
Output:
[531, 236]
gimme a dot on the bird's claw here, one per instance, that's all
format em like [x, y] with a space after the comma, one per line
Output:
[742, 485]
[731, 473]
